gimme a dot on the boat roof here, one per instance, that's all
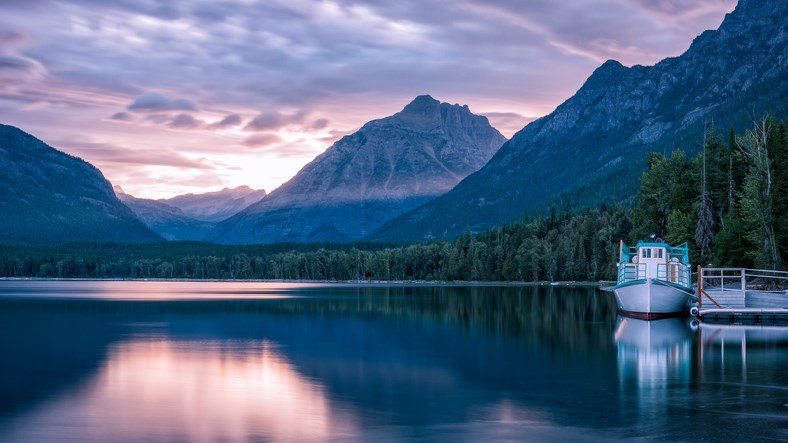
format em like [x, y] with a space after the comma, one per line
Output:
[642, 244]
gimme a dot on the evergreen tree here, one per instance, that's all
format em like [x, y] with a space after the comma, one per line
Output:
[757, 206]
[778, 151]
[668, 185]
[704, 230]
[715, 159]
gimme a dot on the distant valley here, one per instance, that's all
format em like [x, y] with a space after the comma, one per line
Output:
[190, 216]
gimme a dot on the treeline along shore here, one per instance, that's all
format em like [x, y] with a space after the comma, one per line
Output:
[730, 202]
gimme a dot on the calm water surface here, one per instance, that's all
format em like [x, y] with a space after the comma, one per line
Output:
[213, 361]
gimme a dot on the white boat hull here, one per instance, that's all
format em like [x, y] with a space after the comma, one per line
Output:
[651, 298]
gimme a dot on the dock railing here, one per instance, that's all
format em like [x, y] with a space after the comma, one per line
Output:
[731, 285]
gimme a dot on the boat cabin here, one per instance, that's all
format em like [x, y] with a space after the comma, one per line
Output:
[654, 260]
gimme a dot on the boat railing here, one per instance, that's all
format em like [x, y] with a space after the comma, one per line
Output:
[631, 271]
[673, 272]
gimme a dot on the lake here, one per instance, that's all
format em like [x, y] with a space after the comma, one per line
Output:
[110, 361]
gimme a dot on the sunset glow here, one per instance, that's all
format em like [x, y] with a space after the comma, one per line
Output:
[209, 392]
[174, 97]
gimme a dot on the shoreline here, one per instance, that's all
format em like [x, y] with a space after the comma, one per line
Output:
[326, 282]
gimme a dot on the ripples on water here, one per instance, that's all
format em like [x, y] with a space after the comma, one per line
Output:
[215, 361]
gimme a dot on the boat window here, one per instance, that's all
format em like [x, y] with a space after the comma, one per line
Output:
[659, 252]
[646, 252]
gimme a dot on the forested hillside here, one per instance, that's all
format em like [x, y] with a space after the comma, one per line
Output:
[730, 202]
[49, 197]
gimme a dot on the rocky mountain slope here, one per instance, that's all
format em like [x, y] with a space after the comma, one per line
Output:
[216, 206]
[389, 166]
[168, 221]
[591, 149]
[48, 196]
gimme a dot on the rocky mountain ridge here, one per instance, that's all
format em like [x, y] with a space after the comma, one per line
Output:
[387, 167]
[591, 149]
[217, 205]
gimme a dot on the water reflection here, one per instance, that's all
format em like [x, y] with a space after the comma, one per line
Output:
[677, 375]
[654, 352]
[323, 363]
[654, 369]
[745, 371]
[187, 391]
[150, 290]
[363, 363]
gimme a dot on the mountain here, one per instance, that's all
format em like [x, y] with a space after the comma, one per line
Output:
[168, 221]
[216, 206]
[387, 167]
[190, 216]
[591, 149]
[51, 197]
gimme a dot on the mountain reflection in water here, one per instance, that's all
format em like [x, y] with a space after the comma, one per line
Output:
[84, 361]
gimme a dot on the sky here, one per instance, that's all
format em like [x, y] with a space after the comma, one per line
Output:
[167, 97]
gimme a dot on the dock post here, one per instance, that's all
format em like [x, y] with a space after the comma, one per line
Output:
[700, 288]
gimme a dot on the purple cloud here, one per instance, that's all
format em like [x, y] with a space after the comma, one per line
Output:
[273, 120]
[259, 140]
[185, 121]
[317, 125]
[153, 101]
[314, 67]
[227, 122]
[509, 122]
[112, 154]
[15, 63]
[122, 117]
[12, 38]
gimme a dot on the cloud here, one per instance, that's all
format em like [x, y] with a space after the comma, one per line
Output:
[227, 122]
[335, 135]
[185, 121]
[508, 122]
[160, 119]
[341, 60]
[152, 101]
[13, 38]
[15, 63]
[674, 11]
[273, 120]
[122, 117]
[12, 65]
[259, 140]
[317, 125]
[112, 154]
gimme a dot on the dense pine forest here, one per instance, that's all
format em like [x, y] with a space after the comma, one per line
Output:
[730, 202]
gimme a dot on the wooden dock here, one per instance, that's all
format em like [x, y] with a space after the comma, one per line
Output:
[745, 316]
[742, 296]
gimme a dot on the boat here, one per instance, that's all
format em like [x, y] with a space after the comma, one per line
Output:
[653, 280]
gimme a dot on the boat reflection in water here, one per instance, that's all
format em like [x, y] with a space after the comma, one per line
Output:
[654, 369]
[653, 352]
